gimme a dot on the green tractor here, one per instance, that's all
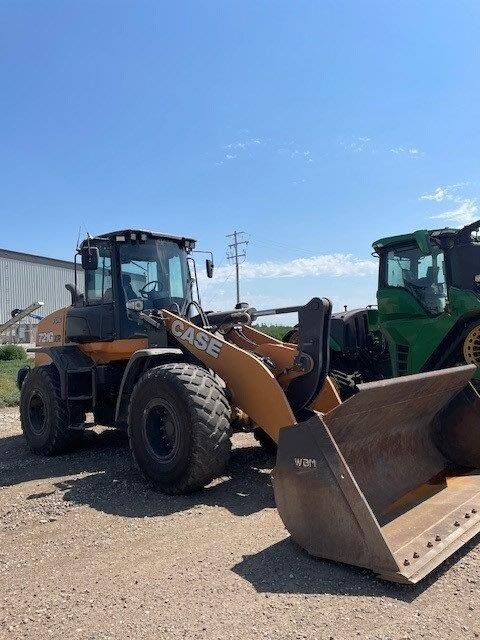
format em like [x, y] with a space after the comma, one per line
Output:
[427, 315]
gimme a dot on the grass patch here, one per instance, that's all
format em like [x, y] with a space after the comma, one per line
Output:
[275, 330]
[9, 394]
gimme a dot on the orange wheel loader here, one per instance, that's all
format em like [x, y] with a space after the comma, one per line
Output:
[388, 479]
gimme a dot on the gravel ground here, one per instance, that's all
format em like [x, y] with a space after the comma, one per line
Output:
[87, 551]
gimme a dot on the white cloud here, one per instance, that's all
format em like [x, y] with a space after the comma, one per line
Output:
[445, 193]
[248, 147]
[464, 209]
[243, 144]
[357, 145]
[413, 152]
[364, 143]
[335, 265]
[299, 153]
[438, 195]
[465, 213]
[261, 295]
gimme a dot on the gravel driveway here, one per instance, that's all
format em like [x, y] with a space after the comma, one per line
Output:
[87, 551]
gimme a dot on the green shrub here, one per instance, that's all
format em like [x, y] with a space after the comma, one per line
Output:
[9, 394]
[12, 352]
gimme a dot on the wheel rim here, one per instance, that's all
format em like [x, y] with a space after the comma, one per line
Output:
[161, 428]
[471, 347]
[37, 413]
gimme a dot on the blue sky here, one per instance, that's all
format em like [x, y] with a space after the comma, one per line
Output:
[316, 127]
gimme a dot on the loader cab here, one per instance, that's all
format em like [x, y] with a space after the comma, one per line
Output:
[124, 266]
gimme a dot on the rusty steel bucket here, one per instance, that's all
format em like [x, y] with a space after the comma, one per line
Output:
[388, 480]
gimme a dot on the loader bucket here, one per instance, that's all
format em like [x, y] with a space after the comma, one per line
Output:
[390, 479]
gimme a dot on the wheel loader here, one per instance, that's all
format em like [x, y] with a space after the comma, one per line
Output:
[387, 480]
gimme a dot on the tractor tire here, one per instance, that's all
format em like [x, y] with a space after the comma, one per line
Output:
[44, 415]
[179, 427]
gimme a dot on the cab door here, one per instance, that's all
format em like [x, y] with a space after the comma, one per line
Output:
[92, 319]
[412, 305]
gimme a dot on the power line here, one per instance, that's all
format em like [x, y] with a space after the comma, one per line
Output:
[234, 255]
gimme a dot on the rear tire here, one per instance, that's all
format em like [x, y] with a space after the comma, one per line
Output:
[44, 415]
[179, 427]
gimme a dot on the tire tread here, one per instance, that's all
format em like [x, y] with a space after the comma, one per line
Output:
[210, 417]
[61, 437]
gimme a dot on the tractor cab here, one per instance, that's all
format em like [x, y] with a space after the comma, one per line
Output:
[412, 276]
[128, 269]
[428, 282]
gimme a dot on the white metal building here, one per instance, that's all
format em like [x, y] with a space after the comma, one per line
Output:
[27, 278]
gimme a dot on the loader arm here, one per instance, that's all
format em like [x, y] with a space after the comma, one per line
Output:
[254, 387]
[283, 355]
[269, 380]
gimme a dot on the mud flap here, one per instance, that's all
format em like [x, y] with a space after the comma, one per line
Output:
[390, 479]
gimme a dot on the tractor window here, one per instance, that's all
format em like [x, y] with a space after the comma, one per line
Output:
[422, 275]
[98, 283]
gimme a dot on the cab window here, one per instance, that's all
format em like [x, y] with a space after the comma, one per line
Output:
[175, 277]
[154, 270]
[98, 283]
[422, 275]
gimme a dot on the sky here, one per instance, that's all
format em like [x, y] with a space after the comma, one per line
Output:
[314, 127]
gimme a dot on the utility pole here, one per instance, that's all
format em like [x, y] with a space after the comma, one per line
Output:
[233, 254]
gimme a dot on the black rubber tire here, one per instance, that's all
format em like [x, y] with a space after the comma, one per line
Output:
[200, 414]
[40, 401]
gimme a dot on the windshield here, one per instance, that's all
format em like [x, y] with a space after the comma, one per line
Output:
[155, 271]
[422, 275]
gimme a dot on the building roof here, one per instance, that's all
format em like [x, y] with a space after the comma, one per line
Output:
[30, 257]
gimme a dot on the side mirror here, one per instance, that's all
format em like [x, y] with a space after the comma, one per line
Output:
[209, 267]
[90, 258]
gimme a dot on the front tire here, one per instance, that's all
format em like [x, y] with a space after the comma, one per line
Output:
[43, 414]
[179, 427]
